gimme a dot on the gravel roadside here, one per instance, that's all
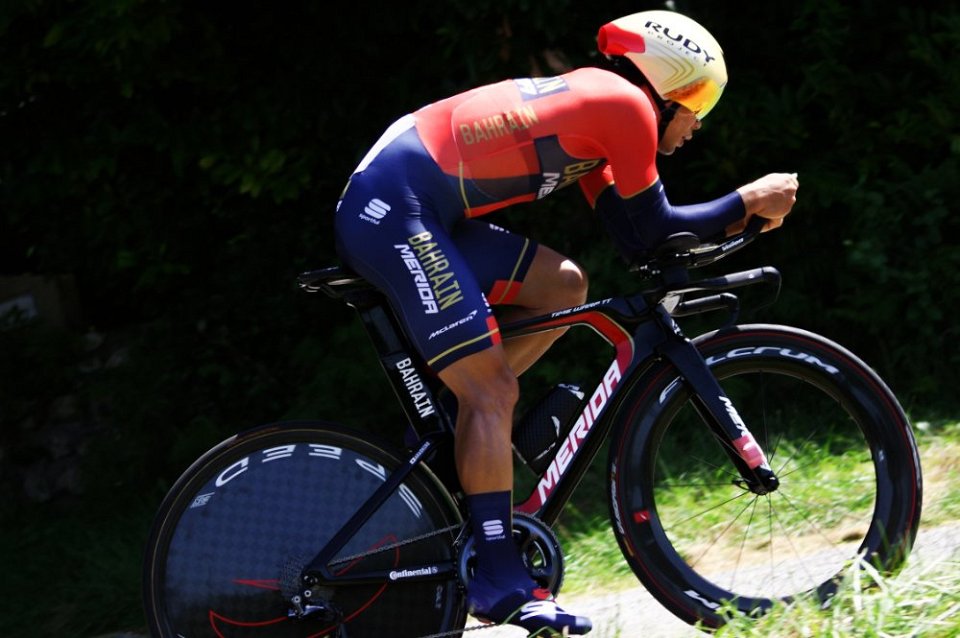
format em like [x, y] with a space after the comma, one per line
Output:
[634, 612]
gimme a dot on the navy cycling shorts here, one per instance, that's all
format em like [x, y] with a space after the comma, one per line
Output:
[401, 226]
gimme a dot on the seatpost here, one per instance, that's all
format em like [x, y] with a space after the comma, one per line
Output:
[414, 384]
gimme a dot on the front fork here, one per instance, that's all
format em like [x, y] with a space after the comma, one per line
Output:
[719, 413]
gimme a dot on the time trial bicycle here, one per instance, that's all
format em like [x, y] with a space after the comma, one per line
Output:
[746, 467]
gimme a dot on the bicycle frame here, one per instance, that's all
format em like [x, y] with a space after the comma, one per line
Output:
[641, 330]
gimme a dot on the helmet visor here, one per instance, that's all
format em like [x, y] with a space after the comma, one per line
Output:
[700, 96]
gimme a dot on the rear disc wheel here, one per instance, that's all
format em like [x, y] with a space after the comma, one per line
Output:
[233, 534]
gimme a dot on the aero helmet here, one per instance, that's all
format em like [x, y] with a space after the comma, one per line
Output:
[677, 56]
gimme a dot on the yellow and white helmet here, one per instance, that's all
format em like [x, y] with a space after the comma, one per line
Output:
[678, 57]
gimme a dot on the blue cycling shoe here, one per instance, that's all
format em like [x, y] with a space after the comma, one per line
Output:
[535, 611]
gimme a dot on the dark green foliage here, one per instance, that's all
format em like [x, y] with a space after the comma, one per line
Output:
[182, 160]
[867, 117]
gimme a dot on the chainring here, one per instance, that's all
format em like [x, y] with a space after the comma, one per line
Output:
[538, 546]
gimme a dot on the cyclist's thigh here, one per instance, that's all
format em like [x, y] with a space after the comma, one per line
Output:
[409, 255]
[498, 258]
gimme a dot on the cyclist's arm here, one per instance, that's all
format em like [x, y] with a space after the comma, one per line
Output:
[638, 223]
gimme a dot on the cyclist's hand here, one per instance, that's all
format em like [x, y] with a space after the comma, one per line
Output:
[772, 196]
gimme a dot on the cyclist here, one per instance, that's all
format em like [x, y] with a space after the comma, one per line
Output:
[406, 222]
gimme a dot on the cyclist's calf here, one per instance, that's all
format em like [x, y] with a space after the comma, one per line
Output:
[486, 391]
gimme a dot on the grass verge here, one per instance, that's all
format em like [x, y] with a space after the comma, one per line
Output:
[917, 602]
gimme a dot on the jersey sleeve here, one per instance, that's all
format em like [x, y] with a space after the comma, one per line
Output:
[621, 122]
[638, 224]
[626, 191]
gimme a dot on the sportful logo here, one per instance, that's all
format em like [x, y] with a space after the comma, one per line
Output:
[493, 530]
[375, 210]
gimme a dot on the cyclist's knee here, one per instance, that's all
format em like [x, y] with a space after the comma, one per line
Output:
[553, 282]
[573, 283]
[567, 288]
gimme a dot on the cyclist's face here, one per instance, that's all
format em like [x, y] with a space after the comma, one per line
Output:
[679, 130]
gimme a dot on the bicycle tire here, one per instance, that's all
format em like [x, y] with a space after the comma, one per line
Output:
[234, 532]
[706, 547]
